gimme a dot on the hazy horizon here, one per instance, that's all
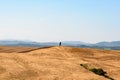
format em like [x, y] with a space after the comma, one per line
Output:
[60, 20]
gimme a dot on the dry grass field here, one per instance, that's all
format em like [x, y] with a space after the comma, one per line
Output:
[57, 63]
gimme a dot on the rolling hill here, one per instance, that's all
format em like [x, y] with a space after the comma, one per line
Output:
[58, 63]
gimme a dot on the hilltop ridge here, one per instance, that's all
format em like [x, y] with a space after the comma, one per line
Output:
[59, 63]
[114, 45]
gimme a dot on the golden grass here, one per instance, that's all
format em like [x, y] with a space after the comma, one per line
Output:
[57, 63]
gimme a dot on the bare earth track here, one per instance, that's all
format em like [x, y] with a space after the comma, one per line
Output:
[57, 63]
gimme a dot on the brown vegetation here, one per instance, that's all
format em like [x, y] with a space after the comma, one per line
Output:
[57, 63]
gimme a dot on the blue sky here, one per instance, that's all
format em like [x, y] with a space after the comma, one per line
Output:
[60, 20]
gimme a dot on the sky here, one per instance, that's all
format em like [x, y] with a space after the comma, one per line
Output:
[60, 20]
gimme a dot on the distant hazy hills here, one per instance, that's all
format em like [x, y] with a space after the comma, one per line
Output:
[102, 45]
[26, 43]
[114, 43]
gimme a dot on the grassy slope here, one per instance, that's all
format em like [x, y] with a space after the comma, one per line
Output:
[11, 49]
[58, 63]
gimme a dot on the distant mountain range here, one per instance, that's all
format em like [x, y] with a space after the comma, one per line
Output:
[26, 43]
[102, 45]
[112, 44]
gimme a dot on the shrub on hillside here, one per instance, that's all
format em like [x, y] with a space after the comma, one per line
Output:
[98, 71]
